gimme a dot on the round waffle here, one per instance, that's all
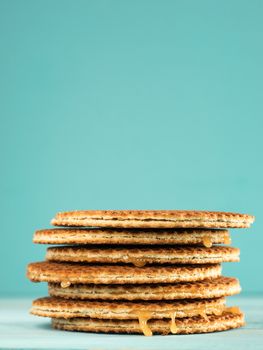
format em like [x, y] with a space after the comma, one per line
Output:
[153, 219]
[141, 256]
[209, 288]
[204, 237]
[125, 310]
[72, 273]
[227, 320]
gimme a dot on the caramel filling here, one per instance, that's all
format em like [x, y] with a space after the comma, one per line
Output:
[201, 311]
[217, 312]
[65, 284]
[234, 310]
[138, 262]
[143, 317]
[173, 327]
[227, 239]
[207, 242]
[61, 219]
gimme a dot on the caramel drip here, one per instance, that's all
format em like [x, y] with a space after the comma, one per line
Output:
[207, 242]
[65, 284]
[143, 318]
[227, 239]
[173, 326]
[202, 312]
[138, 262]
[233, 310]
[218, 311]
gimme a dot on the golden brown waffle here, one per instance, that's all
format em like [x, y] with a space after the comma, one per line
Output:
[67, 273]
[210, 288]
[204, 237]
[140, 256]
[153, 219]
[125, 310]
[227, 320]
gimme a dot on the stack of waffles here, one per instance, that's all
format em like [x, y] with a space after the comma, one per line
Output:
[139, 271]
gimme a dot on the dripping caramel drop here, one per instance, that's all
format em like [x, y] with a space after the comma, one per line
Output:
[173, 326]
[234, 310]
[65, 284]
[143, 317]
[227, 239]
[207, 242]
[202, 312]
[138, 262]
[218, 311]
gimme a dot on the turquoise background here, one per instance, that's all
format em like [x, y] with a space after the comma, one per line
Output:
[128, 104]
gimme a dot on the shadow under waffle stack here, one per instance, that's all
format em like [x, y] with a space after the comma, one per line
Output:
[139, 272]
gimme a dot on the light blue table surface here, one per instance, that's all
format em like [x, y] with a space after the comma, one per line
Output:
[19, 330]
